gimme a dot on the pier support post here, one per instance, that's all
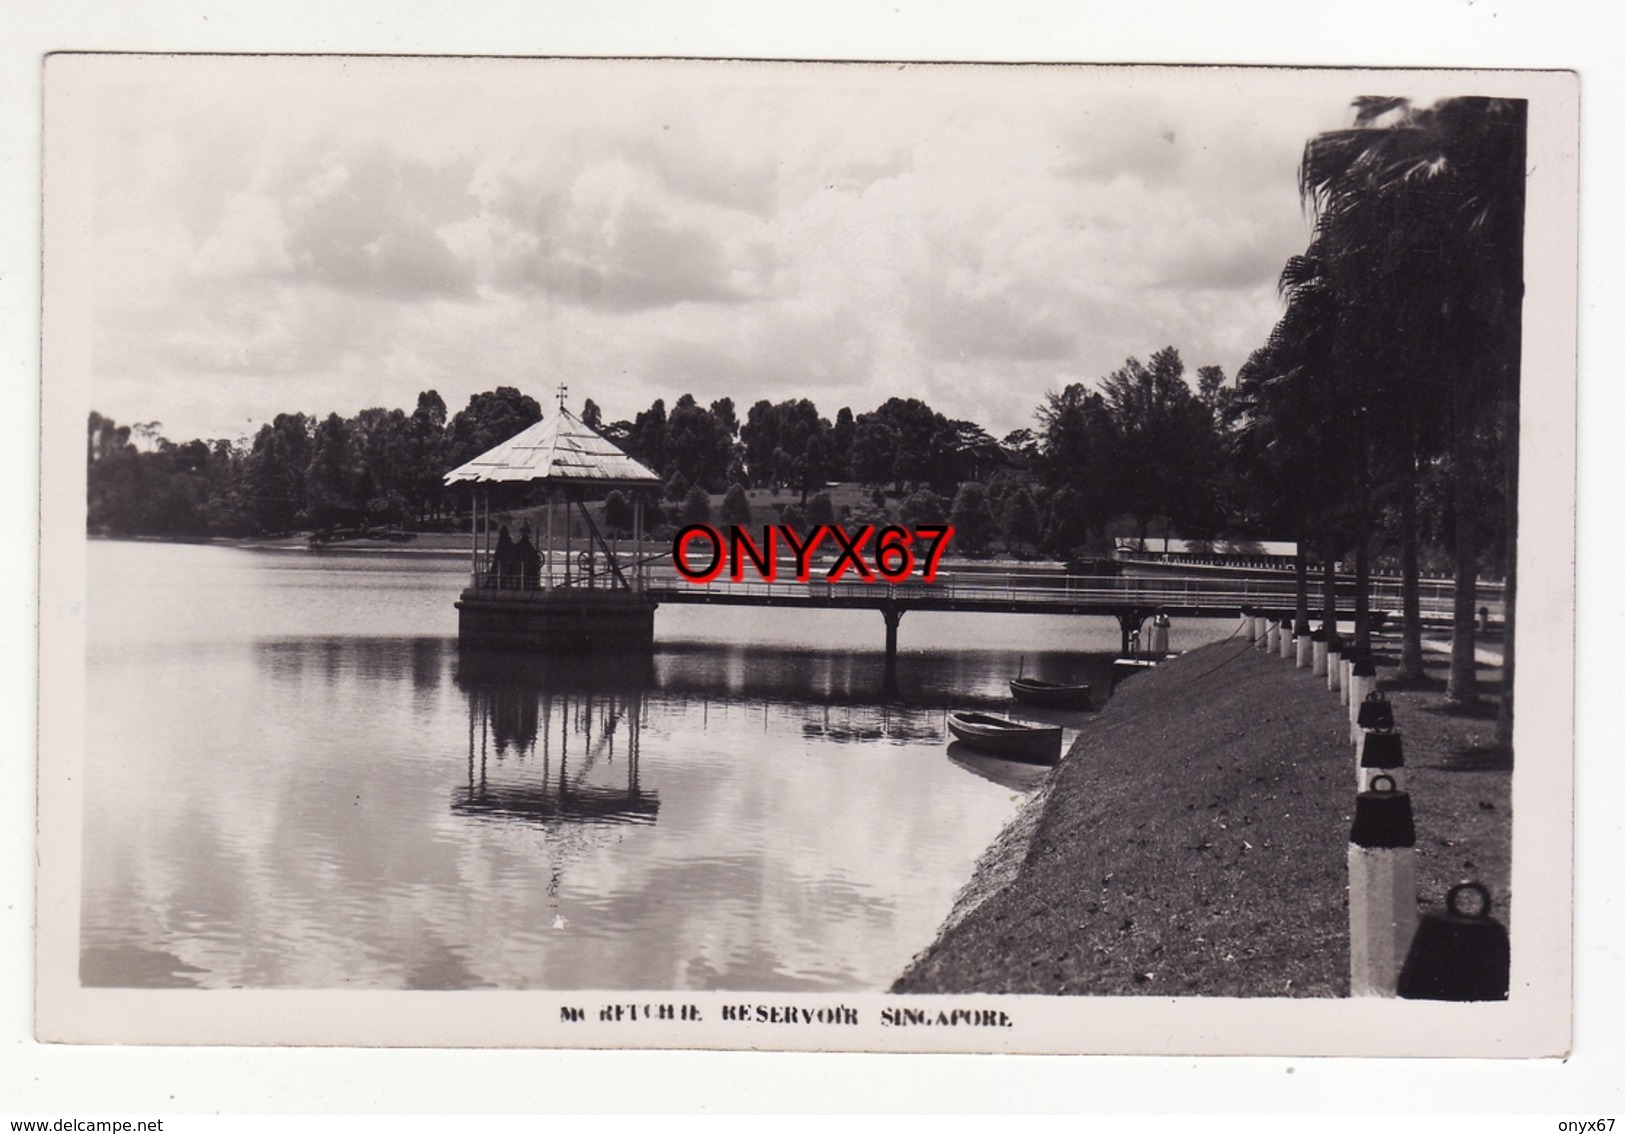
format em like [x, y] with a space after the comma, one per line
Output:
[893, 614]
[1129, 621]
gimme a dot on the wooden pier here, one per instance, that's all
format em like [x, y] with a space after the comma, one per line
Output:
[585, 597]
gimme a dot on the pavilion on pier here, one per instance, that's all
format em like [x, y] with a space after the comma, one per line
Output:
[548, 590]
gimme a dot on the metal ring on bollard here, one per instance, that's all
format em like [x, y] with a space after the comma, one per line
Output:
[1379, 779]
[1377, 720]
[1455, 892]
[584, 560]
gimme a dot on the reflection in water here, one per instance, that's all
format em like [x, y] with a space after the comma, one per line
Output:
[514, 702]
[397, 813]
[129, 965]
[1011, 774]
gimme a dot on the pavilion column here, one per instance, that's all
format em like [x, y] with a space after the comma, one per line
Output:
[551, 553]
[637, 541]
[485, 550]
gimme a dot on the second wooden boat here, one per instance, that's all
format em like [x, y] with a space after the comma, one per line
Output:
[1049, 694]
[1011, 739]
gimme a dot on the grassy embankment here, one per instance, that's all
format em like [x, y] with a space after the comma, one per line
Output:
[1194, 841]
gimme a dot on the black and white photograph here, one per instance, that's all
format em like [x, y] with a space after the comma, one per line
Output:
[588, 553]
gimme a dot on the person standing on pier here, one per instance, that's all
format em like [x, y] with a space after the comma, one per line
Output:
[502, 561]
[528, 560]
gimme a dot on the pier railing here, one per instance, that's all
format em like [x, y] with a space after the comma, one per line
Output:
[986, 587]
[1039, 591]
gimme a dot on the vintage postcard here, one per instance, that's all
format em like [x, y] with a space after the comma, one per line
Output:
[807, 556]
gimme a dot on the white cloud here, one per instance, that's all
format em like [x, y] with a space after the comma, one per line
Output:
[616, 241]
[354, 223]
[278, 235]
[1135, 138]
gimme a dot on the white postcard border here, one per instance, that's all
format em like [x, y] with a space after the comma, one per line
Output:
[1535, 1023]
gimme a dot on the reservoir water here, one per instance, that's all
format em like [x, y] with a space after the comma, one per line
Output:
[293, 778]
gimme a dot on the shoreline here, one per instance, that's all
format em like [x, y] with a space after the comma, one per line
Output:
[455, 545]
[1171, 854]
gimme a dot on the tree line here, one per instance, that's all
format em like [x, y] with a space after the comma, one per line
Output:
[1147, 448]
[378, 469]
[1141, 453]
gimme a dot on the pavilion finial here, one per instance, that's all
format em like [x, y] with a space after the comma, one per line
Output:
[564, 392]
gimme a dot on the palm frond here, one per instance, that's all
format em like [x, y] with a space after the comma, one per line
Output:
[1369, 108]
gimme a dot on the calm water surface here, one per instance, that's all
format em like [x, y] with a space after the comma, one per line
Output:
[294, 779]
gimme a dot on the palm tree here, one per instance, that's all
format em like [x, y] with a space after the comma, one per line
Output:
[1291, 438]
[1420, 217]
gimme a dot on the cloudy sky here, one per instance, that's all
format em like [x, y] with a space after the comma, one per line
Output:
[325, 234]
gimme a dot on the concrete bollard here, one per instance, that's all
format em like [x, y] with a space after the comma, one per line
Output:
[1362, 683]
[1334, 663]
[1458, 956]
[1345, 672]
[1382, 889]
[1319, 646]
[1379, 754]
[1288, 643]
[1375, 712]
[1272, 640]
[1251, 623]
[1266, 630]
[1304, 647]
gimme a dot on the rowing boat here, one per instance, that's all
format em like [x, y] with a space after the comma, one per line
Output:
[1002, 736]
[1049, 694]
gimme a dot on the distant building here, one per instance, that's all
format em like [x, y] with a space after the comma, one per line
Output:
[1219, 552]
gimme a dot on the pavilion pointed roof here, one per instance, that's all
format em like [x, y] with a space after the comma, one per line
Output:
[560, 449]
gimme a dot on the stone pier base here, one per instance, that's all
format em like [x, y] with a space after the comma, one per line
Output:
[562, 621]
